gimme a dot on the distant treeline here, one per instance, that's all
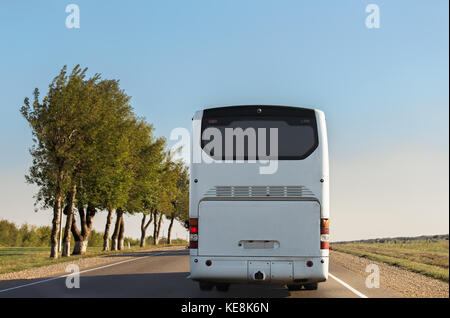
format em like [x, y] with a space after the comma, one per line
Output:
[27, 235]
[400, 239]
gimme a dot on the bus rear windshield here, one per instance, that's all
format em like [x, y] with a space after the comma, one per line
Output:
[261, 133]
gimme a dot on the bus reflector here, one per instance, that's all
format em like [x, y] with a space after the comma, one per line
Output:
[324, 222]
[193, 244]
[324, 234]
[193, 233]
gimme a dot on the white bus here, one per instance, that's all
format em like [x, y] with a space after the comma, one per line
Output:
[248, 225]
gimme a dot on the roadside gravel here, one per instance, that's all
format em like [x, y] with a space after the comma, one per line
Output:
[407, 283]
[83, 263]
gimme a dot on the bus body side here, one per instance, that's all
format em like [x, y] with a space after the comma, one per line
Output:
[266, 228]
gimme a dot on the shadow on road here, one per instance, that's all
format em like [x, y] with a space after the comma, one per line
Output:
[165, 285]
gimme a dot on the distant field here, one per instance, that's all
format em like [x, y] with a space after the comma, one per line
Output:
[14, 259]
[430, 258]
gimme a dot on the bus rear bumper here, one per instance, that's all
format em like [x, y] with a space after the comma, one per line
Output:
[259, 270]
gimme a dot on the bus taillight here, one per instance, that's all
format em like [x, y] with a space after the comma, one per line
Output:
[324, 234]
[193, 233]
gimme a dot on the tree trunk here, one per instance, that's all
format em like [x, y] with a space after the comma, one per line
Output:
[107, 226]
[67, 237]
[142, 244]
[55, 228]
[121, 234]
[87, 226]
[144, 227]
[159, 225]
[169, 231]
[155, 227]
[80, 247]
[115, 236]
[69, 212]
[81, 238]
[77, 236]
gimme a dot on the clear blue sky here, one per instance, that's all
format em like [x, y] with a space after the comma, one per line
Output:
[384, 91]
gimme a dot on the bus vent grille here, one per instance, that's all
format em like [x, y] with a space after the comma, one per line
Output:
[259, 191]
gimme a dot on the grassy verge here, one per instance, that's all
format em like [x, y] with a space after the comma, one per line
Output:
[13, 259]
[430, 258]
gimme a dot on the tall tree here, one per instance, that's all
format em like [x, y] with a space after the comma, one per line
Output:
[140, 140]
[144, 192]
[113, 192]
[57, 124]
[104, 158]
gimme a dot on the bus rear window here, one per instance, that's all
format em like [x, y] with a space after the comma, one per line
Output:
[252, 132]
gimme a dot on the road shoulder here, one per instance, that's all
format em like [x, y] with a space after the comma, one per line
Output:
[394, 282]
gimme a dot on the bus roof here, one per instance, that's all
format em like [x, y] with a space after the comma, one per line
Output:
[256, 105]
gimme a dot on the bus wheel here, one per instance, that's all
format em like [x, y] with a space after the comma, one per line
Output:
[294, 286]
[205, 286]
[312, 286]
[223, 287]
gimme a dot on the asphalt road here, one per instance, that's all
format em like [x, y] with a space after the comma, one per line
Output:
[163, 274]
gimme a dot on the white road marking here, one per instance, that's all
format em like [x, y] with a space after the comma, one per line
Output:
[81, 272]
[348, 286]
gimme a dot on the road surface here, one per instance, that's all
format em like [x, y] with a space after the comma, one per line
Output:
[163, 274]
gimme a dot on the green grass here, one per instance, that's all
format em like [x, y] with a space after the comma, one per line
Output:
[429, 258]
[13, 259]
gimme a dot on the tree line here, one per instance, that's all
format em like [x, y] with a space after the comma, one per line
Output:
[400, 239]
[28, 235]
[92, 153]
[24, 236]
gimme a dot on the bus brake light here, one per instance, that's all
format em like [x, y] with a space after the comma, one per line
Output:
[324, 234]
[193, 233]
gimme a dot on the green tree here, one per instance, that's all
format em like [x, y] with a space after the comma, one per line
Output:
[139, 139]
[103, 162]
[81, 152]
[144, 192]
[59, 123]
[116, 180]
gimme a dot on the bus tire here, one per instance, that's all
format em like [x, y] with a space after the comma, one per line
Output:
[294, 287]
[205, 286]
[311, 286]
[223, 287]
